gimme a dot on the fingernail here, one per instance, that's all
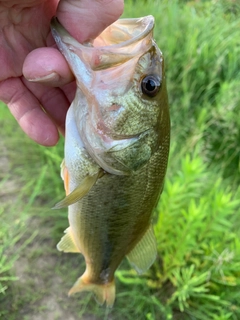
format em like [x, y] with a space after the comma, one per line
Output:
[52, 77]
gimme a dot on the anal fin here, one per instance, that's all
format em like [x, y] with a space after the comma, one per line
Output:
[142, 256]
[67, 244]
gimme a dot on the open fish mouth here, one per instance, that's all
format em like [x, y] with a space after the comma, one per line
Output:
[119, 42]
[124, 32]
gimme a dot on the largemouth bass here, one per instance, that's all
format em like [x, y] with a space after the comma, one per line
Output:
[116, 150]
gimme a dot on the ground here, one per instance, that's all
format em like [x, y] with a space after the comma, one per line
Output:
[40, 291]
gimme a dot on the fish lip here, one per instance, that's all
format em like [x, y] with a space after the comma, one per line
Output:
[147, 22]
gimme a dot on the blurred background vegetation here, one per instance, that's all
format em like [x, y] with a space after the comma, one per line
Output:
[197, 224]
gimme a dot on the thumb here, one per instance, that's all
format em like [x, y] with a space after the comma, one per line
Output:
[86, 19]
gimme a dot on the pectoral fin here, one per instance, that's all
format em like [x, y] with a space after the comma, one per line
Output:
[67, 243]
[78, 193]
[144, 253]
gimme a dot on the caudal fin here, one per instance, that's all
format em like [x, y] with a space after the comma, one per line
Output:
[103, 292]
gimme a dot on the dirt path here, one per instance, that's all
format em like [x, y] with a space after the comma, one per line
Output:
[50, 301]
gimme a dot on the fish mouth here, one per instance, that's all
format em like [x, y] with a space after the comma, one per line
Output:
[124, 32]
[118, 43]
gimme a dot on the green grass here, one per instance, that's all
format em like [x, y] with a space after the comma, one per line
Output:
[197, 272]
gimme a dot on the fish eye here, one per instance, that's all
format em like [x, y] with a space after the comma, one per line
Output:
[150, 85]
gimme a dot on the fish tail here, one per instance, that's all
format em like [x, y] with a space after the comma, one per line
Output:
[103, 292]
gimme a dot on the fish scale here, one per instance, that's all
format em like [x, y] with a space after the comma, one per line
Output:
[114, 216]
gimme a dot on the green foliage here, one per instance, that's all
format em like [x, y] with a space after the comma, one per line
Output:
[222, 135]
[197, 225]
[198, 239]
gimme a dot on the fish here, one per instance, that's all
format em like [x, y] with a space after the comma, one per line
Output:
[116, 150]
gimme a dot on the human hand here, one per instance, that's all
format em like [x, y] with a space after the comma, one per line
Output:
[39, 100]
